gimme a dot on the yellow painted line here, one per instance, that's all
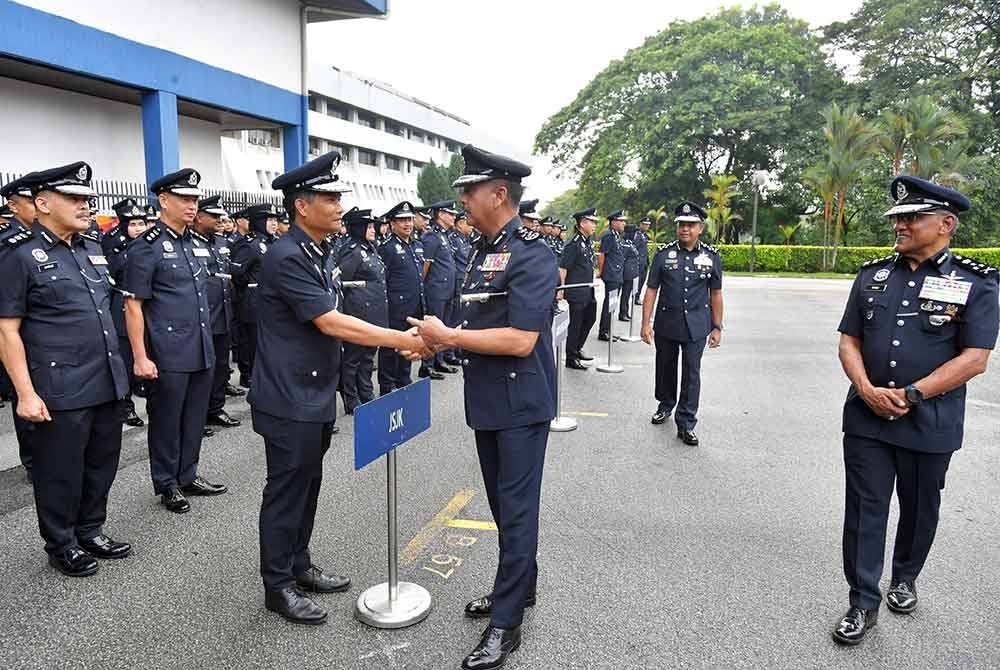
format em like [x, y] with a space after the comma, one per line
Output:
[471, 524]
[597, 414]
[420, 541]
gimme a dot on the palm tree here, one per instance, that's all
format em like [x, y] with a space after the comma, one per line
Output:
[788, 231]
[820, 178]
[895, 130]
[932, 128]
[719, 196]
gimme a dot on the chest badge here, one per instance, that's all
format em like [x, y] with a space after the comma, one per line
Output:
[39, 255]
[263, 248]
[881, 275]
[702, 260]
[671, 254]
[496, 262]
[168, 247]
[98, 260]
[869, 314]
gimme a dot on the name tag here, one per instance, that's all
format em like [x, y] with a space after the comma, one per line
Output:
[224, 251]
[170, 255]
[201, 252]
[944, 289]
[98, 260]
[496, 262]
[876, 287]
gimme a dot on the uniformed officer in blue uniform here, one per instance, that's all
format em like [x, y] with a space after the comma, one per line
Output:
[641, 241]
[213, 254]
[403, 257]
[293, 397]
[510, 384]
[611, 267]
[529, 217]
[170, 328]
[246, 256]
[439, 274]
[59, 344]
[576, 266]
[131, 225]
[918, 325]
[630, 272]
[421, 219]
[687, 274]
[359, 261]
[461, 243]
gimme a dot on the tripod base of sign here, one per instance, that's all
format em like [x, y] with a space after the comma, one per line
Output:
[562, 424]
[610, 368]
[630, 338]
[374, 608]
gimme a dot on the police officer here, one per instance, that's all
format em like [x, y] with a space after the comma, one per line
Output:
[576, 266]
[641, 240]
[293, 397]
[630, 272]
[131, 225]
[439, 277]
[529, 217]
[558, 228]
[359, 261]
[918, 325]
[246, 256]
[283, 224]
[687, 274]
[421, 220]
[509, 384]
[213, 253]
[59, 344]
[461, 243]
[152, 215]
[404, 264]
[170, 328]
[611, 267]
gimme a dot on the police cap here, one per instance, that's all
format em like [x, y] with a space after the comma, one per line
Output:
[357, 221]
[912, 194]
[72, 179]
[620, 215]
[403, 210]
[590, 214]
[183, 182]
[127, 210]
[443, 206]
[19, 186]
[483, 166]
[318, 175]
[688, 211]
[212, 205]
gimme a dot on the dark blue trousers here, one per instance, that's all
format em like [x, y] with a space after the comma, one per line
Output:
[177, 406]
[604, 329]
[686, 416]
[356, 367]
[220, 374]
[295, 451]
[625, 306]
[394, 371]
[442, 310]
[873, 468]
[581, 320]
[512, 461]
[25, 431]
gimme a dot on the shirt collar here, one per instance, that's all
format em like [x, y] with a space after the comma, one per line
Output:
[50, 239]
[312, 248]
[506, 232]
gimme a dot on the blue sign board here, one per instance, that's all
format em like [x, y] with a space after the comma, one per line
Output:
[387, 422]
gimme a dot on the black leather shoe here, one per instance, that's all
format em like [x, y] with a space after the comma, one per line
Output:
[175, 501]
[103, 546]
[493, 649]
[574, 364]
[688, 437]
[335, 430]
[624, 318]
[316, 581]
[659, 416]
[294, 606]
[133, 419]
[428, 372]
[482, 607]
[223, 419]
[74, 562]
[603, 338]
[207, 432]
[584, 356]
[234, 391]
[447, 369]
[855, 625]
[202, 487]
[902, 597]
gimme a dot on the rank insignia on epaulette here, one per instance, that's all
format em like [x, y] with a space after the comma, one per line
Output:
[152, 234]
[527, 234]
[20, 238]
[972, 265]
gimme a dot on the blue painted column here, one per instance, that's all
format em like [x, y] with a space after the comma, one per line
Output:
[295, 139]
[159, 134]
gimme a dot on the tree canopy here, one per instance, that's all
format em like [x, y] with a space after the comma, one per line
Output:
[434, 181]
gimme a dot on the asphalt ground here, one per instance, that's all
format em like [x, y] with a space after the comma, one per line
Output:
[652, 554]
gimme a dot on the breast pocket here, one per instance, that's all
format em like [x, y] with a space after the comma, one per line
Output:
[938, 325]
[874, 311]
[312, 387]
[53, 370]
[55, 287]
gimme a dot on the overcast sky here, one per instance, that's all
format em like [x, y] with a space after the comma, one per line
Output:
[506, 66]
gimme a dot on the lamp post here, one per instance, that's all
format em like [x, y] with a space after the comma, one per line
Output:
[759, 178]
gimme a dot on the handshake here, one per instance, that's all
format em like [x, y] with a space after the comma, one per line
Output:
[427, 337]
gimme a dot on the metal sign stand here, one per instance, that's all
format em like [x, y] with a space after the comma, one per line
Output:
[560, 326]
[631, 337]
[613, 299]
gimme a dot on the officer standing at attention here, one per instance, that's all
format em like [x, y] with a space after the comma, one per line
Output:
[169, 311]
[510, 382]
[404, 265]
[630, 273]
[641, 240]
[688, 276]
[359, 261]
[611, 267]
[439, 277]
[420, 222]
[576, 266]
[530, 218]
[918, 325]
[246, 257]
[293, 397]
[59, 344]
[213, 254]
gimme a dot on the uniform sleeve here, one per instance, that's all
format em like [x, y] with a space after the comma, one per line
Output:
[981, 318]
[14, 287]
[301, 289]
[607, 244]
[851, 324]
[653, 280]
[239, 261]
[348, 264]
[432, 245]
[383, 252]
[531, 289]
[139, 269]
[569, 254]
[715, 282]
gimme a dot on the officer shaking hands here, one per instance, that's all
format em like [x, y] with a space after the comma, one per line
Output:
[510, 383]
[918, 325]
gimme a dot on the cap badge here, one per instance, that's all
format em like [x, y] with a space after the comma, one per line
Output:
[901, 191]
[39, 255]
[193, 179]
[686, 209]
[82, 173]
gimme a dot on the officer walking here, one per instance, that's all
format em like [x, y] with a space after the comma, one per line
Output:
[359, 261]
[641, 240]
[630, 272]
[439, 277]
[576, 266]
[611, 268]
[509, 384]
[293, 397]
[918, 325]
[169, 311]
[687, 274]
[58, 342]
[246, 257]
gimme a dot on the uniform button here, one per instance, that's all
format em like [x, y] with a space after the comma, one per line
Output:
[465, 361]
[173, 265]
[55, 277]
[109, 353]
[513, 375]
[906, 303]
[892, 385]
[314, 373]
[892, 364]
[895, 343]
[900, 322]
[871, 299]
[685, 311]
[52, 364]
[170, 329]
[685, 299]
[91, 290]
[203, 325]
[201, 309]
[911, 283]
[100, 312]
[105, 332]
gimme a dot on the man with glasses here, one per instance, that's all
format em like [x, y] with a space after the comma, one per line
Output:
[918, 325]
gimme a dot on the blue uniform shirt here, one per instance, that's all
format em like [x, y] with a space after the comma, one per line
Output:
[164, 271]
[684, 279]
[62, 295]
[297, 367]
[439, 284]
[359, 261]
[404, 267]
[641, 242]
[213, 253]
[509, 391]
[633, 265]
[115, 246]
[908, 329]
[614, 258]
[578, 259]
[462, 246]
[245, 258]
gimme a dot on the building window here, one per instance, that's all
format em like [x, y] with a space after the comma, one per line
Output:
[264, 137]
[392, 163]
[394, 128]
[314, 102]
[416, 136]
[336, 110]
[366, 120]
[366, 157]
[452, 146]
[315, 146]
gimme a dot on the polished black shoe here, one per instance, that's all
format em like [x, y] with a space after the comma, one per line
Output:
[316, 581]
[447, 369]
[427, 372]
[294, 606]
[133, 419]
[335, 430]
[482, 607]
[74, 562]
[603, 338]
[584, 356]
[207, 432]
[202, 487]
[175, 501]
[493, 649]
[688, 437]
[234, 391]
[902, 597]
[626, 319]
[222, 418]
[574, 364]
[103, 546]
[659, 416]
[853, 628]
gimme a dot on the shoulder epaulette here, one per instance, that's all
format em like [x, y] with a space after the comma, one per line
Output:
[878, 261]
[17, 239]
[710, 248]
[90, 236]
[152, 234]
[4, 226]
[661, 247]
[527, 234]
[972, 265]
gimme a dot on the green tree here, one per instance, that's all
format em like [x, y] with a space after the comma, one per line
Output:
[563, 206]
[720, 214]
[788, 231]
[820, 178]
[434, 181]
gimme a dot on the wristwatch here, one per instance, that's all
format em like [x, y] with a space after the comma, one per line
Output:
[717, 326]
[914, 396]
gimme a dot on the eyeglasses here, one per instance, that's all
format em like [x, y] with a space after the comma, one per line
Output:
[914, 217]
